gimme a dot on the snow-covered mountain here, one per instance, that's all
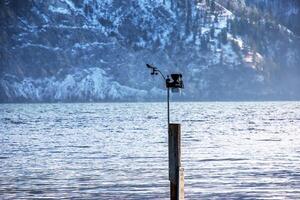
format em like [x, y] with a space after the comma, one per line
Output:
[96, 50]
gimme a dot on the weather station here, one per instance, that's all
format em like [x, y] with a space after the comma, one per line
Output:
[174, 82]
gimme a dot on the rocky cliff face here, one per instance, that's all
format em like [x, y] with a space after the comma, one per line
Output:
[96, 50]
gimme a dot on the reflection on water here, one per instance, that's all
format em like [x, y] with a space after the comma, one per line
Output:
[119, 150]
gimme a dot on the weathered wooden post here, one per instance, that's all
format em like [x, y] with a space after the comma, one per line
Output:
[176, 176]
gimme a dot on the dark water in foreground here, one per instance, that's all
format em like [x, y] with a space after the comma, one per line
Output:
[119, 151]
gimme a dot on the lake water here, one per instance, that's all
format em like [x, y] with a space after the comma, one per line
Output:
[119, 150]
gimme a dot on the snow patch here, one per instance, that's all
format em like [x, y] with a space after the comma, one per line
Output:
[59, 10]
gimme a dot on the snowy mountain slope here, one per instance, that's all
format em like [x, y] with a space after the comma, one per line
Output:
[46, 43]
[88, 84]
[275, 40]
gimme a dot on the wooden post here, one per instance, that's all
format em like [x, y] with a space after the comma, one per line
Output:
[176, 176]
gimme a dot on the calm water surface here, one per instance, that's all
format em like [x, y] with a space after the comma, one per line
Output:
[119, 150]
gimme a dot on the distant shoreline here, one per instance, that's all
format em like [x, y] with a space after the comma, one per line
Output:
[155, 101]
